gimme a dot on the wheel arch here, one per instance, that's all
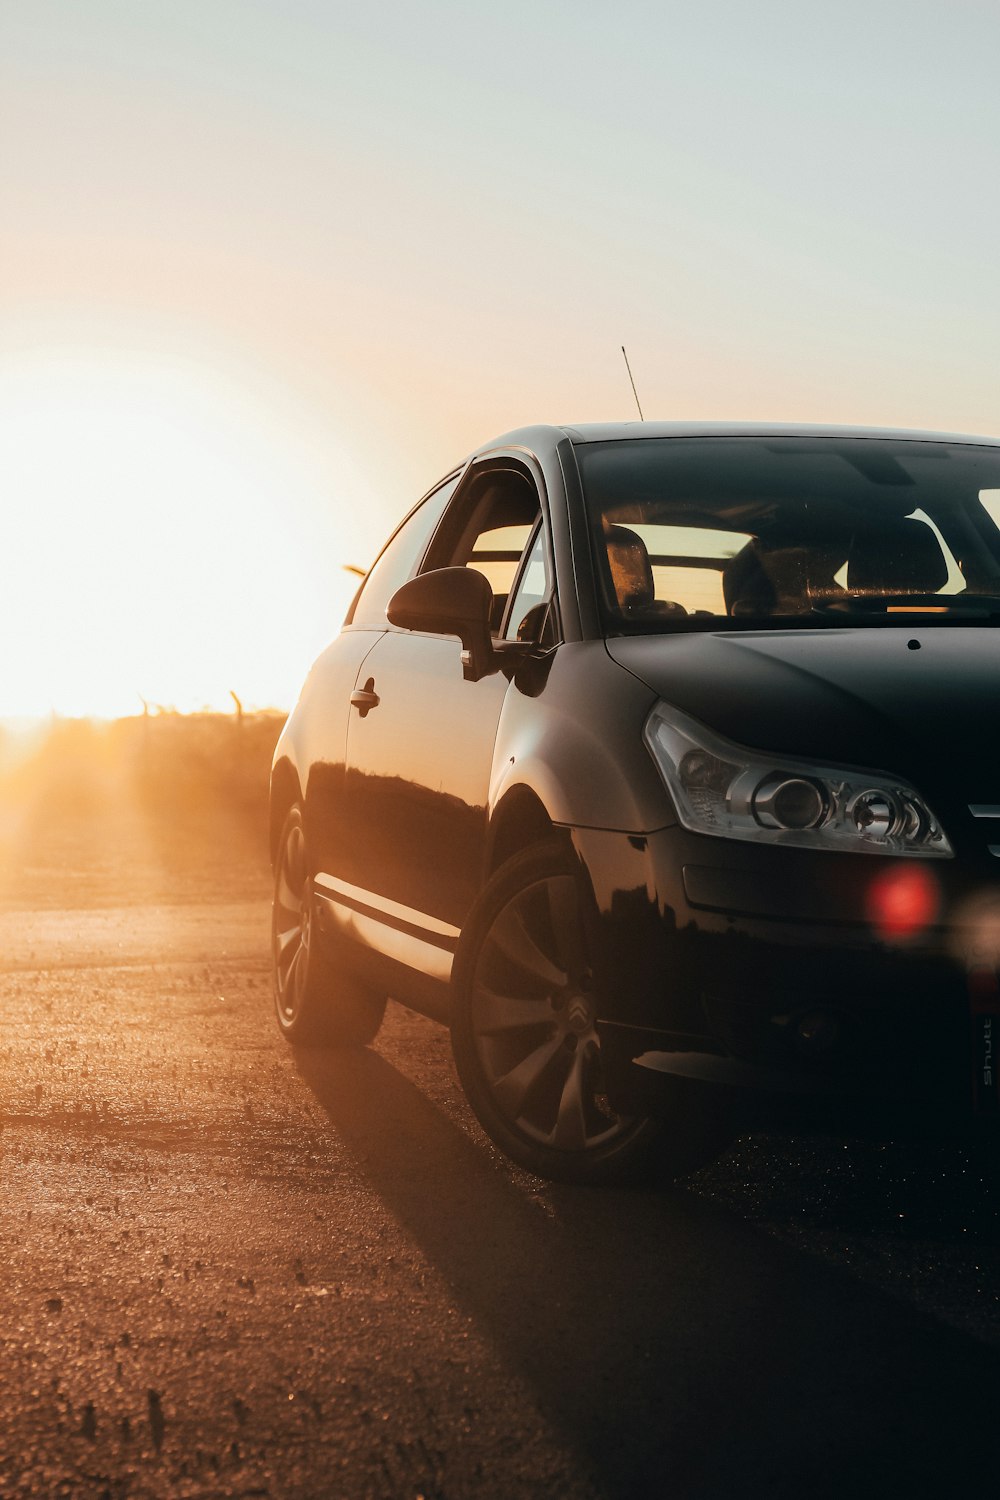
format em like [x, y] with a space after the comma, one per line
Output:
[571, 730]
[285, 792]
[519, 820]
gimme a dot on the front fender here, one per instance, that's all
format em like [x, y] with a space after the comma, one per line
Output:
[571, 733]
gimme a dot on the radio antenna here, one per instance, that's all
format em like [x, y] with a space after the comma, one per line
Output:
[634, 391]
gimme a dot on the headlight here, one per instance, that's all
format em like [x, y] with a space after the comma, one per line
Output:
[735, 793]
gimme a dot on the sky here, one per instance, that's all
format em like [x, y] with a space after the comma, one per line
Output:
[270, 268]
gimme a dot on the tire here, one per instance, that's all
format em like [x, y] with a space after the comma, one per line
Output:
[317, 999]
[523, 1034]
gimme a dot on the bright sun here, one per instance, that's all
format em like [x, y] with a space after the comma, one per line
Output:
[165, 539]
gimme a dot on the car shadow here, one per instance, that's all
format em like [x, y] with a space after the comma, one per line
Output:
[675, 1348]
[924, 1191]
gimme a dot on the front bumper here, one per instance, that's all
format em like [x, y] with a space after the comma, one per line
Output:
[797, 980]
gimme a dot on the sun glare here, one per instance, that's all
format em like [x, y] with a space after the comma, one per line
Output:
[164, 540]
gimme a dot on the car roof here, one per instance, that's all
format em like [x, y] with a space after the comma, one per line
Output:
[548, 435]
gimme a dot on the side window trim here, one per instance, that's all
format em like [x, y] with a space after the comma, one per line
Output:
[542, 526]
[444, 531]
[482, 464]
[515, 586]
[454, 478]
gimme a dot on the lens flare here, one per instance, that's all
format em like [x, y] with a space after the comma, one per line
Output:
[975, 935]
[902, 902]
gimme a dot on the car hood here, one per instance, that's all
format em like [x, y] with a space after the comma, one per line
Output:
[929, 711]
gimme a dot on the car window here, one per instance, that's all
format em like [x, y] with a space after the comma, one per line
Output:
[686, 563]
[398, 558]
[497, 554]
[533, 586]
[488, 528]
[954, 583]
[692, 531]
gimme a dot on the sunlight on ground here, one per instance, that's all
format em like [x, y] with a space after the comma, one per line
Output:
[169, 808]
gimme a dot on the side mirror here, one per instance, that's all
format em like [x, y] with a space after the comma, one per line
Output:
[450, 601]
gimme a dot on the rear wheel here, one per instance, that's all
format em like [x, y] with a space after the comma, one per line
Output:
[316, 997]
[523, 1034]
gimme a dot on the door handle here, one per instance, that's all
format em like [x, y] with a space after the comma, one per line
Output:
[365, 699]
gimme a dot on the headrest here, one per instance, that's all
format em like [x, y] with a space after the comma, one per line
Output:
[779, 580]
[631, 571]
[896, 557]
[746, 587]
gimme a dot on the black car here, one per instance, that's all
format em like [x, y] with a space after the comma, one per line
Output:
[661, 761]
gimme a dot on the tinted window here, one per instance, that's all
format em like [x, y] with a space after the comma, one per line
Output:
[399, 558]
[532, 587]
[497, 554]
[488, 529]
[689, 532]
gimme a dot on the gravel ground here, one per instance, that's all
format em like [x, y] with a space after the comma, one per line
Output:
[235, 1268]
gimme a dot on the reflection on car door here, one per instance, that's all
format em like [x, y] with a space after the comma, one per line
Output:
[418, 773]
[419, 762]
[325, 704]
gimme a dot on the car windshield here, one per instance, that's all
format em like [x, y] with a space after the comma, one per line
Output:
[749, 532]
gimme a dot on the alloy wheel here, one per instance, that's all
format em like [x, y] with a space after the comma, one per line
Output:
[532, 1018]
[291, 924]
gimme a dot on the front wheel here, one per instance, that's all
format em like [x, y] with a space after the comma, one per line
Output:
[523, 1033]
[316, 998]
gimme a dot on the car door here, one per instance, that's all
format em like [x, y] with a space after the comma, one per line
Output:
[319, 725]
[419, 758]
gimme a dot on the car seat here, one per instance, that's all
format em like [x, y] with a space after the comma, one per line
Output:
[632, 576]
[772, 579]
[896, 556]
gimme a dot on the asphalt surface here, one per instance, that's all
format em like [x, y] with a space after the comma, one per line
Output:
[234, 1268]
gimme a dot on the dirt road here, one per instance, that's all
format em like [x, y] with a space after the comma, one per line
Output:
[231, 1268]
